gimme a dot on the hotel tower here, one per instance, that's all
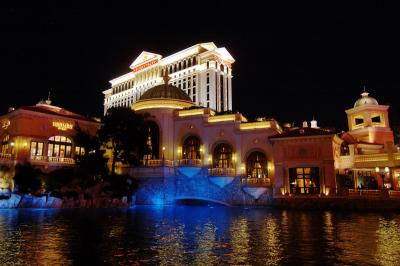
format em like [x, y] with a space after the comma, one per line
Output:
[202, 71]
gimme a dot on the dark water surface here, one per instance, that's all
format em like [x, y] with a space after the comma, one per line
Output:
[197, 235]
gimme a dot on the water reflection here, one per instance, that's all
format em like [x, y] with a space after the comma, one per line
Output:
[193, 235]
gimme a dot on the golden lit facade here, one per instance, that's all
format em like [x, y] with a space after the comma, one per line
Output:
[42, 135]
[203, 72]
[369, 159]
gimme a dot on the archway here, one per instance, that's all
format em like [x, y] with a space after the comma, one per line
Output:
[257, 165]
[222, 156]
[191, 148]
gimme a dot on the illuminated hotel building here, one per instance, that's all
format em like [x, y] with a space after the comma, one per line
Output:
[203, 71]
[43, 135]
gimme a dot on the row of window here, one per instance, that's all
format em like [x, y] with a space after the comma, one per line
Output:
[139, 78]
[374, 119]
[58, 146]
[178, 66]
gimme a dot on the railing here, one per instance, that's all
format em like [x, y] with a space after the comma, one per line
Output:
[346, 161]
[371, 158]
[396, 156]
[257, 182]
[156, 163]
[188, 162]
[221, 172]
[365, 192]
[61, 160]
[39, 158]
[5, 156]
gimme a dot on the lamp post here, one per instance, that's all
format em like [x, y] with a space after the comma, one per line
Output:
[163, 156]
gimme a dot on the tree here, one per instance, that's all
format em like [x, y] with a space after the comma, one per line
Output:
[124, 132]
[91, 163]
[27, 178]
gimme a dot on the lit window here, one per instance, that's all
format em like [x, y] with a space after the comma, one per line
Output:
[59, 146]
[304, 180]
[359, 121]
[37, 148]
[376, 119]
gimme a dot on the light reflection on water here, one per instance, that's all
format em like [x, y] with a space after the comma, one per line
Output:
[197, 235]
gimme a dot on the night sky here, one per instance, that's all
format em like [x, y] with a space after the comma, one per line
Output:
[291, 63]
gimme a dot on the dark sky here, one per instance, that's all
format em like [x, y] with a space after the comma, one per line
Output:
[292, 63]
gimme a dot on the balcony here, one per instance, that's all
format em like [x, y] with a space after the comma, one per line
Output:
[256, 182]
[221, 172]
[367, 193]
[188, 162]
[189, 167]
[221, 176]
[51, 160]
[366, 158]
[158, 163]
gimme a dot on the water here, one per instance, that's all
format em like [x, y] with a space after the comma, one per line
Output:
[197, 235]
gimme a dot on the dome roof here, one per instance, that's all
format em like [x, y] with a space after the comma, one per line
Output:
[366, 100]
[165, 91]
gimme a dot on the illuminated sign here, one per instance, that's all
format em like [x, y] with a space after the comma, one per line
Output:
[5, 123]
[60, 125]
[145, 65]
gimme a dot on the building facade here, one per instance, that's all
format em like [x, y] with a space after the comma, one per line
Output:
[258, 158]
[43, 135]
[202, 71]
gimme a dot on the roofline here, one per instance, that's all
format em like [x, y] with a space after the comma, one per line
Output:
[366, 107]
[20, 111]
[164, 61]
[275, 137]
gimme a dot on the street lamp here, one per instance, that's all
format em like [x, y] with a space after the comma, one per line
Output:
[163, 155]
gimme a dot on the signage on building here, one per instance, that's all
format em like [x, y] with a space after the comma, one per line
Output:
[62, 125]
[5, 123]
[145, 65]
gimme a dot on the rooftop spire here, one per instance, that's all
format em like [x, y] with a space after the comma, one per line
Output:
[48, 101]
[364, 93]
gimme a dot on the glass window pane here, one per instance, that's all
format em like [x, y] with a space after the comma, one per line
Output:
[40, 149]
[68, 151]
[299, 170]
[56, 152]
[50, 150]
[33, 148]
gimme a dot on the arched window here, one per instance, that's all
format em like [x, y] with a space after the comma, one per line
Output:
[59, 146]
[194, 60]
[191, 148]
[153, 141]
[223, 156]
[257, 165]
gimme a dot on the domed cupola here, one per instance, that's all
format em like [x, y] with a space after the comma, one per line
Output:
[365, 100]
[163, 96]
[369, 121]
